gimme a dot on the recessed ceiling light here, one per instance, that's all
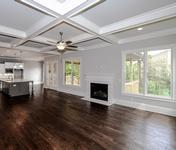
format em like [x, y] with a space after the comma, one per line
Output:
[139, 29]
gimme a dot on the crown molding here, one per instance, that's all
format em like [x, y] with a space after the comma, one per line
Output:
[145, 18]
[27, 48]
[12, 32]
[148, 36]
[97, 46]
[5, 45]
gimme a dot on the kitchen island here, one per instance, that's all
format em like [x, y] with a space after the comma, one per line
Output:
[17, 87]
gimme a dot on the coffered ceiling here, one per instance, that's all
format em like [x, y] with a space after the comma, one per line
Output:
[34, 25]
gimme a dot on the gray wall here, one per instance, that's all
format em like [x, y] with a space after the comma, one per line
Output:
[108, 61]
[33, 70]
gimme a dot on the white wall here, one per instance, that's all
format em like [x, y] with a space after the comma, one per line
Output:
[108, 61]
[33, 70]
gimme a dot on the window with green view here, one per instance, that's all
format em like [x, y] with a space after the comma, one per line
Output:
[148, 72]
[72, 72]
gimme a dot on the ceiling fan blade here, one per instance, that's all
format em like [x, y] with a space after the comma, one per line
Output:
[71, 49]
[72, 46]
[54, 49]
[61, 51]
[68, 42]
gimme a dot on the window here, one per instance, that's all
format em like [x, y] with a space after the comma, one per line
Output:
[159, 72]
[72, 72]
[148, 73]
[68, 72]
[134, 78]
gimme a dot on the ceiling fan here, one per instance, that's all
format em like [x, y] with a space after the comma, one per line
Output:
[63, 46]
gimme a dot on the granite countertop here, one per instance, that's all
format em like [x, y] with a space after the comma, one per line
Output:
[15, 80]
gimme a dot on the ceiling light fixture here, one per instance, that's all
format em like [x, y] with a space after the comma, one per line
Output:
[61, 45]
[139, 29]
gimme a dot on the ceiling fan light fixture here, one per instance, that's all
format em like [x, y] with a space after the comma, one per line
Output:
[61, 45]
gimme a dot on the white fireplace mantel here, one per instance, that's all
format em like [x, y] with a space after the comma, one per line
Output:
[103, 79]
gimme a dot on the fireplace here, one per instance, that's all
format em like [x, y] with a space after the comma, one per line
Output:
[99, 91]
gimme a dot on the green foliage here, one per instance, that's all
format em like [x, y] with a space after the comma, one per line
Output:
[158, 73]
[72, 73]
[68, 68]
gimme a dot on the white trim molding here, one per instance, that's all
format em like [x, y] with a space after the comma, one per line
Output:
[103, 79]
[147, 107]
[144, 93]
[145, 18]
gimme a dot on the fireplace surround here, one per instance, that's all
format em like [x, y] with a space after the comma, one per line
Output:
[103, 92]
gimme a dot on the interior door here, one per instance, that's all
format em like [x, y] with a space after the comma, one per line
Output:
[51, 74]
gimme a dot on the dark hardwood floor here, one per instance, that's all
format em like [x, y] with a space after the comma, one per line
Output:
[56, 121]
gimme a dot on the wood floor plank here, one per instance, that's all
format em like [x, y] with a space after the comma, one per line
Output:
[52, 120]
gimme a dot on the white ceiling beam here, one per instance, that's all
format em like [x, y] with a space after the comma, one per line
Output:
[42, 39]
[38, 7]
[85, 6]
[21, 48]
[81, 37]
[59, 19]
[91, 28]
[87, 30]
[86, 23]
[40, 24]
[146, 18]
[39, 31]
[32, 33]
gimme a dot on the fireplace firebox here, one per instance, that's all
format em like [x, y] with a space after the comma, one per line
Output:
[99, 91]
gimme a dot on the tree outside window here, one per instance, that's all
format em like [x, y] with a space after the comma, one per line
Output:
[72, 72]
[158, 73]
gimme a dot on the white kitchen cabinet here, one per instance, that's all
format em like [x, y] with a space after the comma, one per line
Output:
[18, 66]
[9, 65]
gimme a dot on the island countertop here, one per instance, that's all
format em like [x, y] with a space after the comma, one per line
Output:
[16, 87]
[15, 80]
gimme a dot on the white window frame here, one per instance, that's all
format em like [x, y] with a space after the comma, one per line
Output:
[71, 59]
[145, 94]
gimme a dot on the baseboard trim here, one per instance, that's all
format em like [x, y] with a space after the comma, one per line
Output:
[147, 107]
[46, 87]
[71, 92]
